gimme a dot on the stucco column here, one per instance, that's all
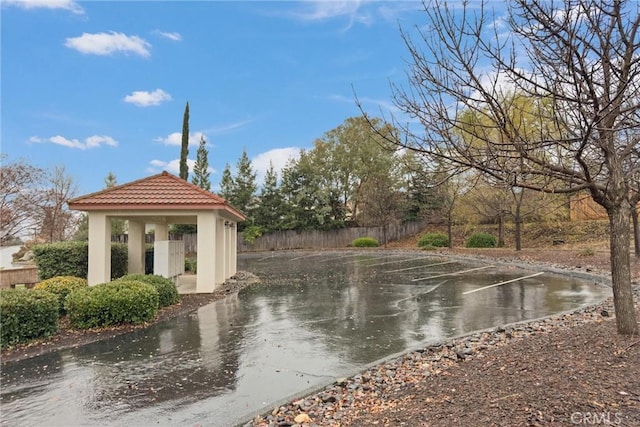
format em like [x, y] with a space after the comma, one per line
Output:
[233, 250]
[206, 277]
[99, 248]
[161, 232]
[227, 250]
[220, 251]
[136, 247]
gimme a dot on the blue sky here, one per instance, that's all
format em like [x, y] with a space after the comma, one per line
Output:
[101, 87]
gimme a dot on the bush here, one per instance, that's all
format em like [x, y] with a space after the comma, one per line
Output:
[436, 240]
[167, 292]
[191, 265]
[112, 303]
[61, 286]
[72, 259]
[365, 242]
[27, 314]
[481, 240]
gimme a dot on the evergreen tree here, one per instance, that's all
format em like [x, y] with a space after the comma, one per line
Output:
[227, 185]
[110, 180]
[201, 168]
[244, 185]
[270, 211]
[184, 152]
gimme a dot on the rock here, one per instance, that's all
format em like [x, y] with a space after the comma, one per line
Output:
[302, 419]
[327, 398]
[341, 382]
[27, 257]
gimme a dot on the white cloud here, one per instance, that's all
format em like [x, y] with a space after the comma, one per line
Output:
[277, 156]
[69, 5]
[228, 127]
[90, 142]
[143, 98]
[175, 138]
[176, 37]
[109, 43]
[172, 166]
[323, 10]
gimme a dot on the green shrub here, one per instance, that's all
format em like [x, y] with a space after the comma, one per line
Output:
[119, 260]
[191, 265]
[167, 292]
[481, 240]
[112, 303]
[72, 259]
[27, 314]
[365, 242]
[62, 286]
[436, 240]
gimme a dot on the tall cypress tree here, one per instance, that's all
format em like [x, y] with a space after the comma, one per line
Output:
[201, 168]
[184, 152]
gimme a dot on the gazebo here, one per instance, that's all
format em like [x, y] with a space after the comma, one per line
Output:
[161, 200]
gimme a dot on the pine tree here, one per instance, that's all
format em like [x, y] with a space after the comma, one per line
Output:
[245, 185]
[184, 152]
[201, 168]
[270, 211]
[227, 185]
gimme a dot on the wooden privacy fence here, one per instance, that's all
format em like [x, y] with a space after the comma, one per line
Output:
[10, 277]
[340, 238]
[310, 239]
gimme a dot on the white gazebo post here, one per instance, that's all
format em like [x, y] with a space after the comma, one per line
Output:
[161, 232]
[136, 247]
[220, 248]
[206, 277]
[99, 248]
[233, 249]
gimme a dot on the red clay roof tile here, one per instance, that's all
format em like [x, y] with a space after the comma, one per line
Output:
[162, 191]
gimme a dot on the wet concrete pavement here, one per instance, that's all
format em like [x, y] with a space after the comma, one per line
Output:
[315, 317]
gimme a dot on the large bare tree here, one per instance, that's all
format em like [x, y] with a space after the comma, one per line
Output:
[20, 197]
[578, 61]
[57, 223]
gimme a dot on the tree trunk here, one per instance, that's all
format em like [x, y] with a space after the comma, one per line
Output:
[620, 270]
[450, 231]
[518, 233]
[636, 231]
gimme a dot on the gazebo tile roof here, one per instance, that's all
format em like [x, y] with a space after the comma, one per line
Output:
[160, 191]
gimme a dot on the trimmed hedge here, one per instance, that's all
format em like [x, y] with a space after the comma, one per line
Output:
[481, 240]
[61, 286]
[112, 303]
[167, 291]
[72, 259]
[436, 240]
[27, 314]
[365, 242]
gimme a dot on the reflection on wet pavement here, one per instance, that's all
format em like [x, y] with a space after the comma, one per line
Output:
[316, 316]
